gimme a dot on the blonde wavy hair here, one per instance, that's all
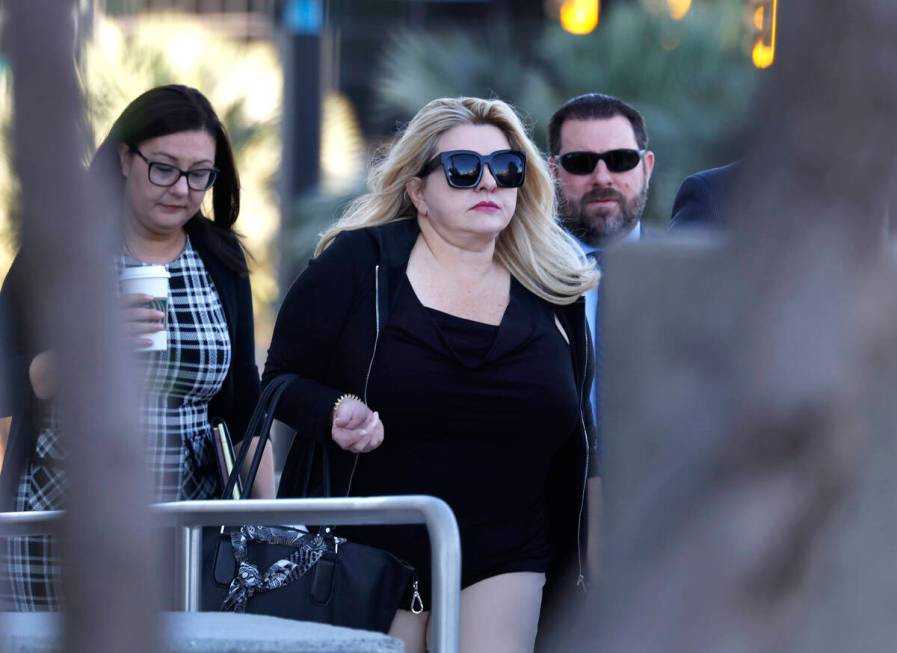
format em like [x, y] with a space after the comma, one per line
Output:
[534, 248]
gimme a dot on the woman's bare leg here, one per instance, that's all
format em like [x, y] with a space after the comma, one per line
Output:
[411, 629]
[501, 614]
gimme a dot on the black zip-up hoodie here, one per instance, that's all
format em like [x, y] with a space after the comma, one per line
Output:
[327, 332]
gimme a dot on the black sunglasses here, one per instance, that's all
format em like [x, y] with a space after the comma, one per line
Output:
[583, 163]
[464, 168]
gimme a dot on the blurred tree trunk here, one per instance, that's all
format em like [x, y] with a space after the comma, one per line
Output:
[749, 410]
[68, 241]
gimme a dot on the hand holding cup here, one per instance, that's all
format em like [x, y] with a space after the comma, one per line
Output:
[141, 319]
[145, 302]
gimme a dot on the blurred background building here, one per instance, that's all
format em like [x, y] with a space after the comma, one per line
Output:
[310, 88]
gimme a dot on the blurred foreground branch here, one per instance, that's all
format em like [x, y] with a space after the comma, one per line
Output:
[67, 252]
[744, 401]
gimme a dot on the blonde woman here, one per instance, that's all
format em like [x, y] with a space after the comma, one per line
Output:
[440, 333]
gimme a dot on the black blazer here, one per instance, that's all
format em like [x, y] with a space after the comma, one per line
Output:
[703, 197]
[234, 402]
[239, 393]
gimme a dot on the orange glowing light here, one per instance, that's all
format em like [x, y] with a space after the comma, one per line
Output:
[763, 54]
[678, 8]
[580, 16]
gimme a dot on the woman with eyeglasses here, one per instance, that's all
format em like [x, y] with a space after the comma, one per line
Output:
[441, 347]
[163, 155]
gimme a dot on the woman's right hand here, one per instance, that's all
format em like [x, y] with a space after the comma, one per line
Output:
[140, 320]
[356, 427]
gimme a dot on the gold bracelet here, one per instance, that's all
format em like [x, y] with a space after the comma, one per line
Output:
[343, 398]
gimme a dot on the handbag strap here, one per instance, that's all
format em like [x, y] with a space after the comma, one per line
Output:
[259, 426]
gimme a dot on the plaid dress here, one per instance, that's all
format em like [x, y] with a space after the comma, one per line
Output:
[179, 383]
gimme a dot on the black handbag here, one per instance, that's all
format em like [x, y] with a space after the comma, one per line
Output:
[312, 576]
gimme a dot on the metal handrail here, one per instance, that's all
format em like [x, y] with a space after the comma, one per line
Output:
[190, 516]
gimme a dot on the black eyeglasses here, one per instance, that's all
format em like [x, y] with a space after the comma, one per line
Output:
[165, 174]
[464, 168]
[583, 163]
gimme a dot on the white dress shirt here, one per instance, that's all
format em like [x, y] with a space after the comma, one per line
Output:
[592, 299]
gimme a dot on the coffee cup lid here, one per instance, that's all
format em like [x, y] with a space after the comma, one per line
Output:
[145, 272]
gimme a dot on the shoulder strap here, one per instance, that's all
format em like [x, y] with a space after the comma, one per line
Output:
[259, 426]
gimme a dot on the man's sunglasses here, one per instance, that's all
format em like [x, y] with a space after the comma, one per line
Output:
[464, 168]
[583, 163]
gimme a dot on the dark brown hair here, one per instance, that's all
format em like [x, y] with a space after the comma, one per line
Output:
[595, 106]
[167, 110]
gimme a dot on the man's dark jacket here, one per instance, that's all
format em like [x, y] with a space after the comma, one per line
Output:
[702, 200]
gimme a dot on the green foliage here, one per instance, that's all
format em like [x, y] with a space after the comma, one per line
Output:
[692, 79]
[313, 213]
[420, 66]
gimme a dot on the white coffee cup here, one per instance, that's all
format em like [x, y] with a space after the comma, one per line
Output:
[150, 280]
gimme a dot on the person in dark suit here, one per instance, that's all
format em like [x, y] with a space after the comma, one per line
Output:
[703, 197]
[601, 165]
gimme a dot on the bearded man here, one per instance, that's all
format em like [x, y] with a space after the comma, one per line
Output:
[599, 157]
[602, 166]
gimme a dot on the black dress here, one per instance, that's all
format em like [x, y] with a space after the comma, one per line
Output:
[473, 414]
[208, 371]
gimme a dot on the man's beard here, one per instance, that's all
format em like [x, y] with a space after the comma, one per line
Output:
[606, 224]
